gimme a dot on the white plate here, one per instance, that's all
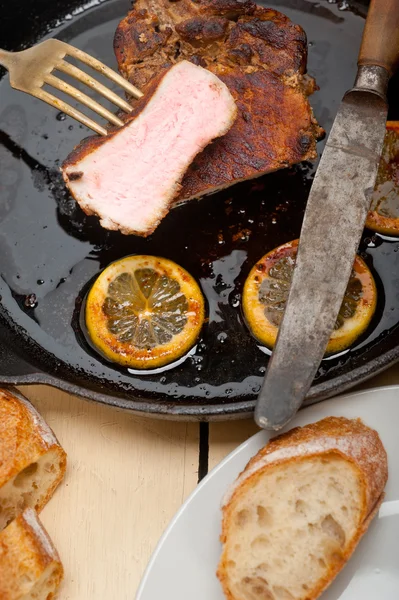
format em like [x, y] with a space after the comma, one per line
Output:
[183, 565]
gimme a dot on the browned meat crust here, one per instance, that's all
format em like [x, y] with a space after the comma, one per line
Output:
[261, 56]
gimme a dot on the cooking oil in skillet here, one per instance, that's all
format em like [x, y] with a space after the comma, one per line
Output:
[51, 252]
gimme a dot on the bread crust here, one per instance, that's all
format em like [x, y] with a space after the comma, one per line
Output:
[26, 553]
[24, 438]
[333, 436]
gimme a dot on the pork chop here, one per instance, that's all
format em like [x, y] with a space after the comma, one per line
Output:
[130, 177]
[260, 55]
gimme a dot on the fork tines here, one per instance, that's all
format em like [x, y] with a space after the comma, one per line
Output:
[64, 50]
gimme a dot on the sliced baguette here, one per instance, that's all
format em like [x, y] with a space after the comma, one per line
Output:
[30, 567]
[297, 512]
[32, 463]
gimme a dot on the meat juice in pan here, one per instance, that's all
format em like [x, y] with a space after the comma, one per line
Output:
[51, 252]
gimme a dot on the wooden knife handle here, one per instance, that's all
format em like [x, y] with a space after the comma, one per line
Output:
[380, 44]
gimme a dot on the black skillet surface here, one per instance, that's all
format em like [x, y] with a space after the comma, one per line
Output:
[50, 251]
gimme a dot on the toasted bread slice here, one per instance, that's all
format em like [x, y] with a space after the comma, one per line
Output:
[30, 567]
[32, 463]
[298, 510]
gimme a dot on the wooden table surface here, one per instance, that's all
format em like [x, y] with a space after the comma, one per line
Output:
[126, 478]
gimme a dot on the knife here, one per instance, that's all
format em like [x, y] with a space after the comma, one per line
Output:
[333, 223]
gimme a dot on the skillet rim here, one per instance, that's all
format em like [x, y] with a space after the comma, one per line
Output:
[162, 409]
[17, 369]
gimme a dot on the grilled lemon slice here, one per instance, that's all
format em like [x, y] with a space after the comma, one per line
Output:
[384, 212]
[266, 291]
[144, 312]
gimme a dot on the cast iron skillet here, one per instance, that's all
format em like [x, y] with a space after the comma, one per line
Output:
[50, 252]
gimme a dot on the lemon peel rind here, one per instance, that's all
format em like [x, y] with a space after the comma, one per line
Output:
[266, 333]
[125, 353]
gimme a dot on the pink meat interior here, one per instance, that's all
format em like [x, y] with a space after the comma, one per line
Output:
[131, 179]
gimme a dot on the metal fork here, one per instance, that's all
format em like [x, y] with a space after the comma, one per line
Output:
[31, 69]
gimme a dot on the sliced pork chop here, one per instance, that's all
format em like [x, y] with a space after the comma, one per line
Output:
[259, 54]
[130, 177]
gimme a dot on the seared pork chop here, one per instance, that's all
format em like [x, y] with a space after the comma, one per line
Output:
[130, 177]
[260, 55]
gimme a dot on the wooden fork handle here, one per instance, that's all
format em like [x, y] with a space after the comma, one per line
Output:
[380, 44]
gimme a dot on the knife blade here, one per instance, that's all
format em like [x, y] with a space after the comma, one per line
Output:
[333, 224]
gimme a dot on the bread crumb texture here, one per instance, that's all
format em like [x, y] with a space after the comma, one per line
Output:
[298, 510]
[32, 462]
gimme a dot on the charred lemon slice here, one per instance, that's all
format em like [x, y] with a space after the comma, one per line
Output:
[144, 312]
[266, 291]
[384, 212]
